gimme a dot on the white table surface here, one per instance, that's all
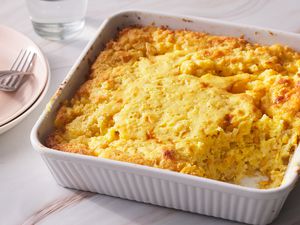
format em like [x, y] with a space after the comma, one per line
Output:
[29, 194]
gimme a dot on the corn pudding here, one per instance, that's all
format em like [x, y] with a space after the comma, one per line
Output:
[210, 106]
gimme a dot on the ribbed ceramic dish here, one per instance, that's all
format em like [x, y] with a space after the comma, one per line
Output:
[152, 185]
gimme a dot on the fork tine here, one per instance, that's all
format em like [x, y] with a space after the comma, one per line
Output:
[30, 61]
[20, 64]
[23, 65]
[2, 81]
[18, 60]
[9, 81]
[16, 82]
[6, 81]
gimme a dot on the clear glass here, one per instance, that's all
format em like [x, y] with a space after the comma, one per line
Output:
[57, 19]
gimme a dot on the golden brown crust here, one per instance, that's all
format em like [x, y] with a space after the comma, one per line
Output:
[211, 106]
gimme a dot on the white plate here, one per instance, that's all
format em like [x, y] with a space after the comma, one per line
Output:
[19, 118]
[13, 104]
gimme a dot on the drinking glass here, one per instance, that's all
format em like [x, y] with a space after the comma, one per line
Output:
[57, 19]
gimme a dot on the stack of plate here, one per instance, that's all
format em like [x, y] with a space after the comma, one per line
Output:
[15, 106]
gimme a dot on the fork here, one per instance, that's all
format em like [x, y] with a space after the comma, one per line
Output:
[11, 80]
[12, 72]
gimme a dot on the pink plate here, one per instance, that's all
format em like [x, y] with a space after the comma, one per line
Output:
[15, 103]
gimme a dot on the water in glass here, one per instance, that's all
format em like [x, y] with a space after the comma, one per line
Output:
[57, 19]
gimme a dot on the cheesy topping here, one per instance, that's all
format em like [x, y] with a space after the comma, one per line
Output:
[211, 106]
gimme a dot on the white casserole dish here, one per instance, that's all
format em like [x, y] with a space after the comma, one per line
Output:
[152, 185]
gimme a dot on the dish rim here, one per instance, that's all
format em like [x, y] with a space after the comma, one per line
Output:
[41, 148]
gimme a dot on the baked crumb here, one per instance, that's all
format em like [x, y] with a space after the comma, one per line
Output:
[211, 106]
